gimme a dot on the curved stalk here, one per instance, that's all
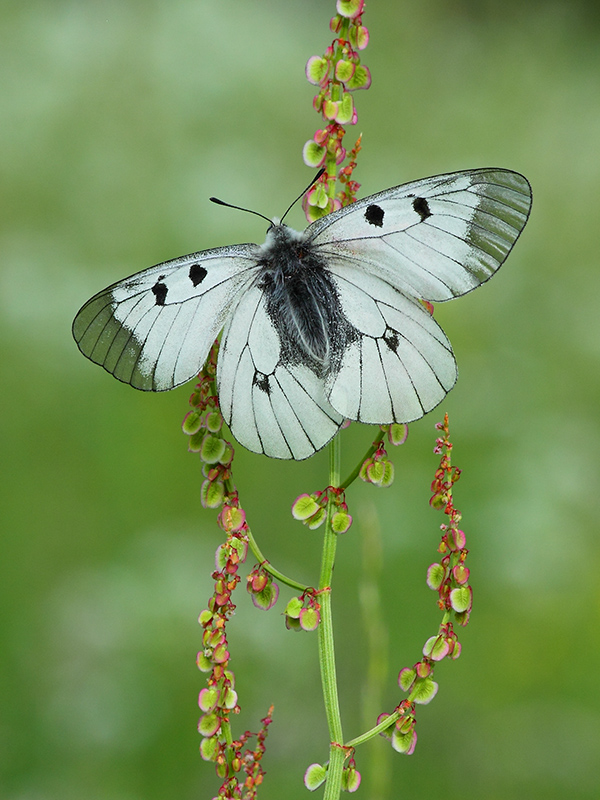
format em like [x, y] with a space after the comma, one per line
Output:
[269, 567]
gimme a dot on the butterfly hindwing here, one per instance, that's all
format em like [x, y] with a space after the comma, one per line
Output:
[399, 364]
[433, 239]
[154, 329]
[273, 403]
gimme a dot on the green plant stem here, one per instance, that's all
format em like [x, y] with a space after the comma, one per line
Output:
[326, 643]
[231, 490]
[270, 568]
[364, 737]
[355, 473]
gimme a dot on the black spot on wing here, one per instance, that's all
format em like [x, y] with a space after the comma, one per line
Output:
[390, 337]
[197, 274]
[421, 206]
[374, 215]
[261, 381]
[159, 290]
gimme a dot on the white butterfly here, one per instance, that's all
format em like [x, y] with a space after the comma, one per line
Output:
[319, 326]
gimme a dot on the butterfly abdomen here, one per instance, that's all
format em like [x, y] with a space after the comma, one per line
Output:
[301, 301]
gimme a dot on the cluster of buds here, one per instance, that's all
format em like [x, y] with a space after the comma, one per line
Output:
[249, 762]
[219, 699]
[402, 733]
[377, 468]
[349, 187]
[418, 682]
[316, 774]
[337, 73]
[311, 509]
[449, 577]
[304, 612]
[262, 588]
[203, 425]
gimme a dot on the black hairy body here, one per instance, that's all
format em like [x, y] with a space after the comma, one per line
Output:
[302, 301]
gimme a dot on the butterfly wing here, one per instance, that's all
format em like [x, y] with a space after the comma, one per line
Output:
[399, 364]
[433, 239]
[154, 329]
[272, 403]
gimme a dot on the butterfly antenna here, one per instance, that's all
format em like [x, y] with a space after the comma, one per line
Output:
[257, 213]
[313, 181]
[239, 208]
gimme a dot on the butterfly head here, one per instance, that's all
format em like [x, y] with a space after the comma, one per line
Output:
[280, 238]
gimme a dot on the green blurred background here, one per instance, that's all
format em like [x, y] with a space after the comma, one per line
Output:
[119, 119]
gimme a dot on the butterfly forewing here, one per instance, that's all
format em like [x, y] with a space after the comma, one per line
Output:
[154, 329]
[435, 239]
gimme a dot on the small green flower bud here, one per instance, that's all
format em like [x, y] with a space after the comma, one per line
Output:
[349, 8]
[230, 699]
[212, 494]
[214, 422]
[424, 690]
[208, 698]
[316, 69]
[314, 154]
[292, 624]
[205, 617]
[209, 748]
[192, 422]
[209, 724]
[436, 648]
[195, 442]
[304, 507]
[435, 576]
[212, 449]
[344, 70]
[266, 597]
[345, 110]
[309, 619]
[314, 776]
[203, 663]
[461, 599]
[316, 520]
[461, 574]
[294, 607]
[361, 78]
[375, 472]
[350, 779]
[341, 521]
[404, 742]
[397, 433]
[359, 37]
[406, 678]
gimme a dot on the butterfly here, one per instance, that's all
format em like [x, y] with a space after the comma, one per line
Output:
[318, 326]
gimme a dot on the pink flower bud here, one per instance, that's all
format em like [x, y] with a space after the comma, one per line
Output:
[309, 619]
[208, 698]
[350, 8]
[209, 724]
[316, 69]
[461, 574]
